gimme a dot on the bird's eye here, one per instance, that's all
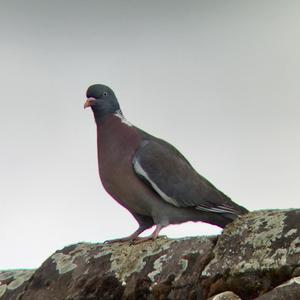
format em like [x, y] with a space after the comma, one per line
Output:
[105, 94]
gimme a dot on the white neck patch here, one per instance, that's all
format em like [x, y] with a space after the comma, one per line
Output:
[119, 115]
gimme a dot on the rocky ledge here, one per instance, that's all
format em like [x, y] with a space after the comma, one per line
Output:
[256, 257]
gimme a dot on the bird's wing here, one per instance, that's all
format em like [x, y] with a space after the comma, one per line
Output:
[171, 176]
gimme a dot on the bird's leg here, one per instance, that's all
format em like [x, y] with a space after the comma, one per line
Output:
[152, 237]
[131, 237]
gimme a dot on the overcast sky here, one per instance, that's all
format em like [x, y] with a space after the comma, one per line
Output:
[218, 79]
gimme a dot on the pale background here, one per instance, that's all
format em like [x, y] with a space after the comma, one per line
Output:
[218, 79]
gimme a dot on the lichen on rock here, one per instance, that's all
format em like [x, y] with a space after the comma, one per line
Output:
[128, 260]
[257, 256]
[13, 279]
[250, 243]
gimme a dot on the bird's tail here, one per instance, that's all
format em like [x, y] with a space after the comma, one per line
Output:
[231, 216]
[220, 219]
[223, 214]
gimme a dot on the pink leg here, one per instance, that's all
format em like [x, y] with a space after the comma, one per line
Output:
[131, 237]
[152, 237]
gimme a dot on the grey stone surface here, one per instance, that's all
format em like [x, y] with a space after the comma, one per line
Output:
[257, 256]
[13, 282]
[289, 290]
[255, 253]
[225, 296]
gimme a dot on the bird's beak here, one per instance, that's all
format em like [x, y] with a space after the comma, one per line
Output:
[89, 102]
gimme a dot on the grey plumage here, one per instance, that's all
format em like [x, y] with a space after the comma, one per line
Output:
[176, 181]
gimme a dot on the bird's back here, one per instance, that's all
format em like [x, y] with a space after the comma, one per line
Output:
[174, 175]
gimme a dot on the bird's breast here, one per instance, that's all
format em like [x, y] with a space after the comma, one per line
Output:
[117, 143]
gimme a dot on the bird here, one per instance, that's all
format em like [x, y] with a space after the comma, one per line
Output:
[150, 177]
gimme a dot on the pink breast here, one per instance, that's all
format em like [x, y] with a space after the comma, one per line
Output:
[117, 143]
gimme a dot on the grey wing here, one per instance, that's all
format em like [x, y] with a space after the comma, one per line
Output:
[172, 177]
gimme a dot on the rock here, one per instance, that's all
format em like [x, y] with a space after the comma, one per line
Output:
[253, 257]
[225, 296]
[13, 282]
[289, 290]
[254, 254]
[112, 271]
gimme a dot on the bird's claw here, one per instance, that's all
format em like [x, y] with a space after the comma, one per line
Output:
[123, 240]
[131, 241]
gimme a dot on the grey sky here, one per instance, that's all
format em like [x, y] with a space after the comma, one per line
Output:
[218, 79]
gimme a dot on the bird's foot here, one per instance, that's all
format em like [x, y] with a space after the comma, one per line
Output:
[140, 240]
[134, 238]
[120, 240]
[151, 237]
[125, 239]
[132, 241]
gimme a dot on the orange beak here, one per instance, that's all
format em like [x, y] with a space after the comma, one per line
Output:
[89, 102]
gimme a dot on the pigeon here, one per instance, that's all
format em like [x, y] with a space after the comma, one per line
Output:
[150, 177]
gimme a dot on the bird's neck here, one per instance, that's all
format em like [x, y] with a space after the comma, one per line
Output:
[117, 116]
[121, 117]
[117, 139]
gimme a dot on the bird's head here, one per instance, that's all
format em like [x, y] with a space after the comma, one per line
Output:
[102, 100]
